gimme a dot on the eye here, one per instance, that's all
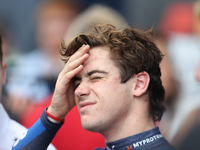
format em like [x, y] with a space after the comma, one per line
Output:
[96, 78]
[76, 84]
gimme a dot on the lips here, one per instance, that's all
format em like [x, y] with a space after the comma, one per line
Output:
[85, 105]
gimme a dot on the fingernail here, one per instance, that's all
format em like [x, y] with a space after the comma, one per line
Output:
[83, 46]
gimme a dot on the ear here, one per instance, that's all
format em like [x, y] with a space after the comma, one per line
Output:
[142, 83]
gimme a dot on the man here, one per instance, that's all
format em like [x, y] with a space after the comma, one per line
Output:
[82, 23]
[113, 76]
[10, 130]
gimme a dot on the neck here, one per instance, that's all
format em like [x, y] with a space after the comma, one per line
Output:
[135, 122]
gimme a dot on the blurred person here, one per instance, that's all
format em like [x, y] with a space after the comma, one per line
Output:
[5, 38]
[10, 55]
[113, 76]
[10, 130]
[34, 74]
[94, 14]
[191, 139]
[177, 25]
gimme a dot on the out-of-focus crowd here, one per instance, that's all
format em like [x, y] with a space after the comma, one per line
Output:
[31, 75]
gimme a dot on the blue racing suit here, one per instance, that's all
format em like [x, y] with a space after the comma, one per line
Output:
[40, 135]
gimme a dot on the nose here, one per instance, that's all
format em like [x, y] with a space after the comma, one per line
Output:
[82, 90]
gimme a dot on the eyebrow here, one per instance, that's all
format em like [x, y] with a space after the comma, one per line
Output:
[91, 73]
[96, 71]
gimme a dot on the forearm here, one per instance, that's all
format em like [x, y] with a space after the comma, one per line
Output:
[39, 136]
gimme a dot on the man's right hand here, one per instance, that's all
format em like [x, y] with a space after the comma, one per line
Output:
[63, 99]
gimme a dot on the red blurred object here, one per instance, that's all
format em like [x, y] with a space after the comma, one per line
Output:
[71, 135]
[177, 17]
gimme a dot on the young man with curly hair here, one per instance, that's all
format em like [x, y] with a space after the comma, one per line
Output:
[113, 77]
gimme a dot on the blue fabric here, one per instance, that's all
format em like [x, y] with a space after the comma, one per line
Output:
[39, 136]
[148, 140]
[43, 131]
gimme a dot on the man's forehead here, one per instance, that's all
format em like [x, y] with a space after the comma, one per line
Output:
[99, 49]
[98, 60]
[98, 54]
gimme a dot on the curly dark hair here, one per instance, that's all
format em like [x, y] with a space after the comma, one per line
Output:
[133, 51]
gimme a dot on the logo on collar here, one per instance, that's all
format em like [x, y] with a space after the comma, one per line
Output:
[144, 142]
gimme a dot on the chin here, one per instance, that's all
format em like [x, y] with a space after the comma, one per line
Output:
[91, 126]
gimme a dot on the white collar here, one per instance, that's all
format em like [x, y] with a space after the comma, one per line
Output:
[4, 120]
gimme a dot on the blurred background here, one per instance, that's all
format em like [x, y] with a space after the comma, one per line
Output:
[32, 31]
[18, 16]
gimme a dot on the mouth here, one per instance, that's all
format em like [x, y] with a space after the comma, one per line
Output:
[83, 106]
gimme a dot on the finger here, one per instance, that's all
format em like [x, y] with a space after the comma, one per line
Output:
[77, 62]
[69, 67]
[66, 79]
[77, 55]
[81, 51]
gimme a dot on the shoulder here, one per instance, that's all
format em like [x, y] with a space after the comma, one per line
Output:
[10, 126]
[12, 132]
[16, 129]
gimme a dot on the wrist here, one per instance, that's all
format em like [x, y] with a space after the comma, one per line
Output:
[53, 118]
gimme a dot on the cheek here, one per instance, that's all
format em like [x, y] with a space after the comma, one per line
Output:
[106, 86]
[109, 92]
[76, 100]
